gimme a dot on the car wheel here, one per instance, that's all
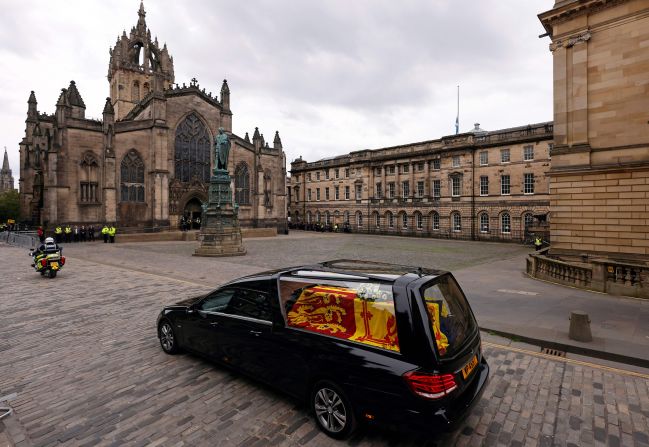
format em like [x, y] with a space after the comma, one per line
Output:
[332, 410]
[53, 273]
[167, 338]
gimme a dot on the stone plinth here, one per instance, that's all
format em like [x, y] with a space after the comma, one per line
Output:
[220, 234]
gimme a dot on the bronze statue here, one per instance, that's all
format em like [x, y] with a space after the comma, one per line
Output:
[221, 150]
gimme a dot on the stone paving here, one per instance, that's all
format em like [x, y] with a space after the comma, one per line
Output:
[81, 365]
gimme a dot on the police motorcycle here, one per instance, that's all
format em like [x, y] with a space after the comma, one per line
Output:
[48, 259]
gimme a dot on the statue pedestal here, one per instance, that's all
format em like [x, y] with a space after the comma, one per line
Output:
[220, 234]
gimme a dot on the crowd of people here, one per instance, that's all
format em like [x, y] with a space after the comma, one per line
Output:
[187, 223]
[75, 233]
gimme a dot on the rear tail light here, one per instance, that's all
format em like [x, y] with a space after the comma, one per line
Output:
[62, 260]
[430, 386]
[43, 262]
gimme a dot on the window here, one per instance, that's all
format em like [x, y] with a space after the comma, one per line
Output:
[337, 173]
[484, 223]
[242, 184]
[308, 192]
[528, 218]
[505, 223]
[192, 147]
[457, 221]
[377, 171]
[132, 178]
[337, 192]
[391, 190]
[327, 217]
[317, 175]
[437, 164]
[484, 158]
[308, 176]
[504, 156]
[135, 92]
[390, 218]
[504, 185]
[326, 193]
[437, 189]
[484, 185]
[420, 189]
[404, 221]
[359, 219]
[391, 169]
[405, 169]
[456, 185]
[419, 220]
[528, 153]
[216, 301]
[346, 217]
[379, 190]
[456, 161]
[346, 172]
[268, 188]
[435, 220]
[359, 191]
[88, 179]
[305, 303]
[317, 194]
[346, 192]
[528, 183]
[420, 166]
[309, 217]
[377, 220]
[405, 189]
[326, 172]
[317, 216]
[240, 302]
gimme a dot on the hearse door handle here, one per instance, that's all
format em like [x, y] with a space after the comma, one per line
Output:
[214, 323]
[256, 333]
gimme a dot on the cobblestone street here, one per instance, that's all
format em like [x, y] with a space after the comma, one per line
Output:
[80, 364]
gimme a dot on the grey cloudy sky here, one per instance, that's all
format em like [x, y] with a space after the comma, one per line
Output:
[332, 76]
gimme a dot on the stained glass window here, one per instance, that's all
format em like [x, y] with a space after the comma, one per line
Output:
[192, 150]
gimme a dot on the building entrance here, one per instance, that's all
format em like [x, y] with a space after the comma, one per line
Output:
[194, 212]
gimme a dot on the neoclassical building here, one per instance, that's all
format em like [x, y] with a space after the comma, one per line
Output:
[475, 185]
[148, 160]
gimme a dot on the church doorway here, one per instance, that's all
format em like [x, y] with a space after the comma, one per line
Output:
[194, 212]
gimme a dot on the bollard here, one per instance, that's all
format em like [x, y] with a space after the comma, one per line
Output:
[579, 326]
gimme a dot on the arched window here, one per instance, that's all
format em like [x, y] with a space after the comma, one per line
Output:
[528, 218]
[192, 150]
[308, 217]
[89, 179]
[268, 189]
[317, 216]
[377, 220]
[505, 223]
[359, 219]
[404, 221]
[242, 184]
[435, 220]
[456, 220]
[346, 217]
[327, 218]
[132, 178]
[484, 223]
[390, 218]
[419, 221]
[297, 216]
[135, 92]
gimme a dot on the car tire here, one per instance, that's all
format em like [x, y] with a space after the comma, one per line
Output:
[167, 337]
[53, 273]
[332, 410]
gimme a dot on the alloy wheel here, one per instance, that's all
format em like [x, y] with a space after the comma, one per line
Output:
[167, 337]
[330, 410]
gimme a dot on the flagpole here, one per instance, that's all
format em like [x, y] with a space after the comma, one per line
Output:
[457, 119]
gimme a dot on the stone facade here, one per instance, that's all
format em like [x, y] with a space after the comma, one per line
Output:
[600, 160]
[6, 177]
[471, 185]
[148, 160]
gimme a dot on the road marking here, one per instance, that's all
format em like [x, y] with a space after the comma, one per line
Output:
[518, 292]
[567, 360]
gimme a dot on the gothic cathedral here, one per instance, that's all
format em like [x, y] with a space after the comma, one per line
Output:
[148, 161]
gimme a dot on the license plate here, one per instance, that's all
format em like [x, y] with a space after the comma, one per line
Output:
[466, 371]
[54, 265]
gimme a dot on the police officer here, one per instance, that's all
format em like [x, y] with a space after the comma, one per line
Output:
[58, 234]
[91, 233]
[538, 242]
[111, 232]
[68, 233]
[104, 232]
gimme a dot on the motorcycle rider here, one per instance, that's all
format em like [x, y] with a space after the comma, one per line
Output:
[48, 247]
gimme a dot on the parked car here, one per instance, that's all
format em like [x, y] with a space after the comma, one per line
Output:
[355, 340]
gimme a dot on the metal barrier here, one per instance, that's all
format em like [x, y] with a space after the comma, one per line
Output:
[26, 239]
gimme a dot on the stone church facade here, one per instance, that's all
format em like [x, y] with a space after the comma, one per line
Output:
[149, 159]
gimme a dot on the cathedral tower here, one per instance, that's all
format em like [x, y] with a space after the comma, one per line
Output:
[6, 179]
[137, 66]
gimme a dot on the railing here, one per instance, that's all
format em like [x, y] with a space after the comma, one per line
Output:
[22, 239]
[602, 275]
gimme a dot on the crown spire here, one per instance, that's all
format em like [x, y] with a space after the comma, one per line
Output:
[5, 162]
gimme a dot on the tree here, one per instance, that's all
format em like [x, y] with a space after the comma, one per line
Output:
[9, 205]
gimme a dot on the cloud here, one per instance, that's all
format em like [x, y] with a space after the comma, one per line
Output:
[332, 76]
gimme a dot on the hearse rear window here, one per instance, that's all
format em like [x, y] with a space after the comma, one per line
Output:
[448, 312]
[362, 312]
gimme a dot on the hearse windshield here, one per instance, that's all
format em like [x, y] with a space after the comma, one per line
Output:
[449, 316]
